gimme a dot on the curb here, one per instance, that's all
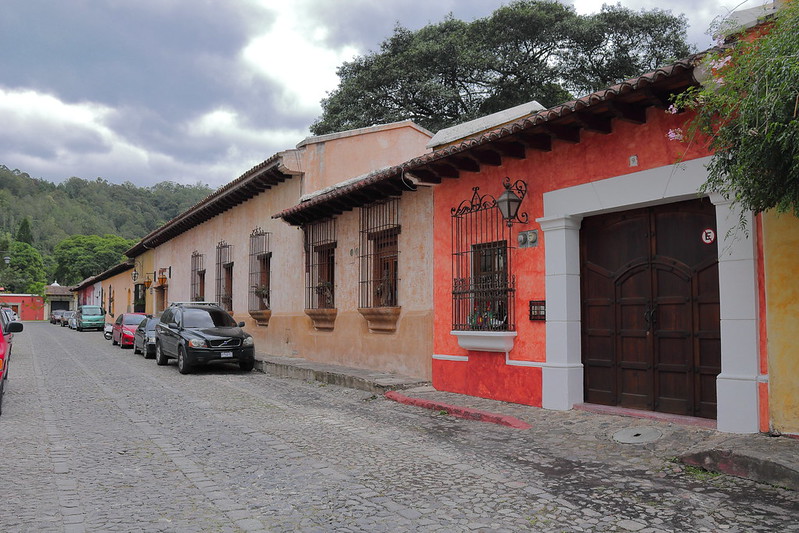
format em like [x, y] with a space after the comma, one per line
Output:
[744, 466]
[460, 412]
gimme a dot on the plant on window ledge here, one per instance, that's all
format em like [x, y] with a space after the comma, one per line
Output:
[486, 319]
[324, 289]
[262, 292]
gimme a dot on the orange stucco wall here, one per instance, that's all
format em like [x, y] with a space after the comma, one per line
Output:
[594, 158]
[330, 159]
[781, 257]
[290, 330]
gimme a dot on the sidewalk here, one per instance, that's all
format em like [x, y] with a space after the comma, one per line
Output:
[694, 442]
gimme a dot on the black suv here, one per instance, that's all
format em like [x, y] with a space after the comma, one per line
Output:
[201, 332]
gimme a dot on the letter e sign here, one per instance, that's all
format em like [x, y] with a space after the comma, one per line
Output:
[708, 236]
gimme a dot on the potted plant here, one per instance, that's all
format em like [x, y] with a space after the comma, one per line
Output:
[324, 289]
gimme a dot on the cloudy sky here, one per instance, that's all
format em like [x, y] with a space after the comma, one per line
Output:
[198, 90]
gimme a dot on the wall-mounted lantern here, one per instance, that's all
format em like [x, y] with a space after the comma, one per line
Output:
[162, 276]
[509, 201]
[147, 281]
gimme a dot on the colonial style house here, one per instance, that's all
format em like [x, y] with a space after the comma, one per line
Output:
[334, 289]
[114, 290]
[609, 279]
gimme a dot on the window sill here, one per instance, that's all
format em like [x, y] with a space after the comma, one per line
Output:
[261, 316]
[323, 319]
[485, 341]
[381, 319]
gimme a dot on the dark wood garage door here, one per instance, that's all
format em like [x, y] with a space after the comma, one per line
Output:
[650, 308]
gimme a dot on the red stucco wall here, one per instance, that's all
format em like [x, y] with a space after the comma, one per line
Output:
[27, 306]
[594, 158]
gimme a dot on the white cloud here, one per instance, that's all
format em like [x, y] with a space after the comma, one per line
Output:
[293, 54]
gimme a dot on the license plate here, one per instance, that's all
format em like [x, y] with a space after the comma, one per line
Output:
[226, 354]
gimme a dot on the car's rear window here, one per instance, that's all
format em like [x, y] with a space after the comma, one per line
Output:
[132, 320]
[207, 318]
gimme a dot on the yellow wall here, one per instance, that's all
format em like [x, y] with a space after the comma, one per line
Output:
[120, 288]
[781, 260]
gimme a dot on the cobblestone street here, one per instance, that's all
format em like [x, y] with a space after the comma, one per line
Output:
[95, 438]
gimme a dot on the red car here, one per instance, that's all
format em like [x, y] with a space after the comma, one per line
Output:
[8, 329]
[124, 327]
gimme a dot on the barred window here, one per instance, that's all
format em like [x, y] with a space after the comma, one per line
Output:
[197, 277]
[483, 286]
[139, 298]
[379, 254]
[224, 275]
[260, 276]
[320, 264]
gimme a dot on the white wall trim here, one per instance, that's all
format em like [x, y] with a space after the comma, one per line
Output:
[444, 357]
[563, 212]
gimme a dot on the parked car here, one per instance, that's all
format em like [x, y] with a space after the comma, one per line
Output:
[65, 316]
[144, 338]
[90, 317]
[55, 315]
[197, 333]
[124, 326]
[73, 322]
[8, 329]
[7, 316]
[10, 313]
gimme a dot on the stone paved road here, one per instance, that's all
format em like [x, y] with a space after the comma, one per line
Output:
[94, 438]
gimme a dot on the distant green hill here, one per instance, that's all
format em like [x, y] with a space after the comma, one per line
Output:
[82, 207]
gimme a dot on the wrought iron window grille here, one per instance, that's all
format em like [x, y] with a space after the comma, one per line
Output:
[320, 264]
[379, 255]
[260, 290]
[197, 277]
[483, 284]
[224, 275]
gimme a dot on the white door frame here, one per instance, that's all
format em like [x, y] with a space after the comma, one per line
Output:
[564, 209]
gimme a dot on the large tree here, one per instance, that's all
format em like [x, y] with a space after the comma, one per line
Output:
[454, 71]
[749, 110]
[81, 256]
[25, 271]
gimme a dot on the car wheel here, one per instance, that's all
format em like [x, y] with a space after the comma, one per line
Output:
[247, 364]
[147, 353]
[2, 387]
[184, 367]
[160, 358]
[79, 328]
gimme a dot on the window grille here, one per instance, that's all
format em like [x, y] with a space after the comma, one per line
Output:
[224, 275]
[260, 275]
[320, 264]
[379, 254]
[197, 277]
[139, 298]
[483, 285]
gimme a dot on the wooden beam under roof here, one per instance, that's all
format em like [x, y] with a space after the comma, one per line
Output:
[562, 133]
[627, 112]
[593, 122]
[536, 141]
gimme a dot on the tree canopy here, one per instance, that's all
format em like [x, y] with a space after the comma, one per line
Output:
[25, 271]
[453, 71]
[81, 256]
[749, 110]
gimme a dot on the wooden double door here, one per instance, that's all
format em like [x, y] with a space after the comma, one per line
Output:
[650, 308]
